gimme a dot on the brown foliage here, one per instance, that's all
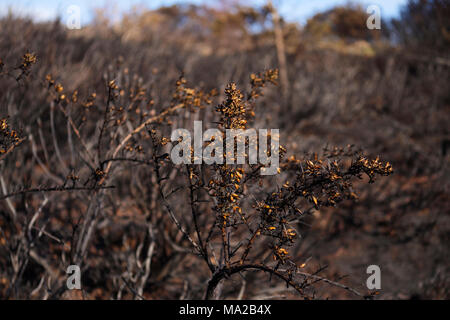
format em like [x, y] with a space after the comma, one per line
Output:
[93, 184]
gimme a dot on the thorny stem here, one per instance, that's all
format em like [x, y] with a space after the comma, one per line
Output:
[194, 217]
[105, 120]
[249, 246]
[135, 131]
[169, 208]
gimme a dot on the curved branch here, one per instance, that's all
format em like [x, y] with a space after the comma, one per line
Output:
[222, 273]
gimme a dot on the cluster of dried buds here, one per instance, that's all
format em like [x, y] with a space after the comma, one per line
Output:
[371, 167]
[227, 189]
[320, 182]
[259, 81]
[191, 99]
[58, 93]
[9, 138]
[28, 59]
[233, 110]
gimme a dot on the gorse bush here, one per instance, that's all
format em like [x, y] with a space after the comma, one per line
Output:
[87, 178]
[228, 216]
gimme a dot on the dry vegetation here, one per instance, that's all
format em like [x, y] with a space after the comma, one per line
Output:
[86, 179]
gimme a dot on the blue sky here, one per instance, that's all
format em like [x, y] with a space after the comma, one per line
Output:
[292, 10]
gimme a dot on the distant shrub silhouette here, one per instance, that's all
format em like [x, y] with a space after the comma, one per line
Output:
[346, 22]
[424, 24]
